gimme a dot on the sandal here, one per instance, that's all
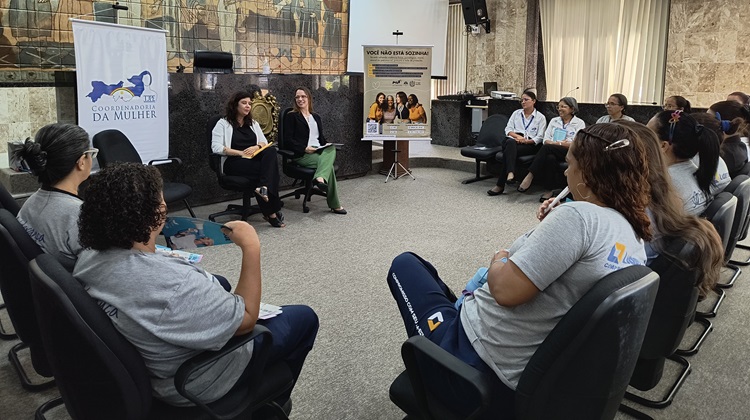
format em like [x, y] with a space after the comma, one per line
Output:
[275, 221]
[262, 192]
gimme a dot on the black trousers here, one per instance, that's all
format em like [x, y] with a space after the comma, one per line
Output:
[547, 162]
[511, 151]
[264, 168]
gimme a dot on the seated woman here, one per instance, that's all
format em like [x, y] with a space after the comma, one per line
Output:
[557, 139]
[676, 102]
[376, 109]
[734, 123]
[523, 133]
[61, 159]
[169, 309]
[303, 133]
[682, 138]
[616, 105]
[669, 220]
[531, 286]
[238, 137]
[416, 111]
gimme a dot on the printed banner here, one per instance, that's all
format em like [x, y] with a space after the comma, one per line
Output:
[397, 84]
[122, 83]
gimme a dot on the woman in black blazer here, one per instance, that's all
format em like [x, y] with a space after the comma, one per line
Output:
[303, 135]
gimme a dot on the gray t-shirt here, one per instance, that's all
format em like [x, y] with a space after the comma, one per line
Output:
[50, 217]
[694, 200]
[171, 311]
[564, 256]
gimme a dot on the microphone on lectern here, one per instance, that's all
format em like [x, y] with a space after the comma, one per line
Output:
[572, 90]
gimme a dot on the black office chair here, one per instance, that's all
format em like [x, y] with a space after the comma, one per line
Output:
[114, 146]
[674, 310]
[580, 371]
[9, 203]
[721, 214]
[740, 188]
[101, 375]
[230, 182]
[17, 249]
[741, 237]
[489, 142]
[297, 172]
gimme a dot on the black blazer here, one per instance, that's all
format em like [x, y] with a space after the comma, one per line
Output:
[734, 153]
[297, 132]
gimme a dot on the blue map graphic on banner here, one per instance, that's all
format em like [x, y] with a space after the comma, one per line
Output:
[119, 91]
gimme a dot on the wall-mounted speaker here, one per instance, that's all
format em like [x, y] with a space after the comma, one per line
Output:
[475, 12]
[212, 62]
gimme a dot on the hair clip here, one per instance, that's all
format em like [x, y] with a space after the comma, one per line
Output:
[725, 125]
[673, 122]
[619, 144]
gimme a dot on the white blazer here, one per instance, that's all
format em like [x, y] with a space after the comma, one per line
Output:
[221, 137]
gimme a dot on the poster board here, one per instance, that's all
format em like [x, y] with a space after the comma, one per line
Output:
[396, 71]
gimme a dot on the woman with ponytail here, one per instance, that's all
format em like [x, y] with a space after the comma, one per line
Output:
[734, 122]
[669, 220]
[61, 159]
[682, 138]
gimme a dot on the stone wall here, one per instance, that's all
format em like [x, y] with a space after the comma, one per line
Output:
[499, 56]
[708, 50]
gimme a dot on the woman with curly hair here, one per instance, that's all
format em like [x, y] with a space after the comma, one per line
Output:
[169, 309]
[61, 159]
[534, 283]
[238, 138]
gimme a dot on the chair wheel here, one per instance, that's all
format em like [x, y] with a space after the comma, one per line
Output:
[296, 196]
[306, 210]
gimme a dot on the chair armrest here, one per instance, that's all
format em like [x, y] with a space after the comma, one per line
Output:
[286, 154]
[195, 363]
[420, 347]
[167, 160]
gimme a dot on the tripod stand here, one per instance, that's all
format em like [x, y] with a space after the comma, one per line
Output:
[396, 164]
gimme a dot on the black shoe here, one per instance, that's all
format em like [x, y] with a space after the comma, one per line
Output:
[280, 216]
[322, 186]
[513, 181]
[546, 196]
[522, 190]
[494, 193]
[339, 211]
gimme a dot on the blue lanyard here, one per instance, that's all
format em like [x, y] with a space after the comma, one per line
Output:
[565, 125]
[526, 126]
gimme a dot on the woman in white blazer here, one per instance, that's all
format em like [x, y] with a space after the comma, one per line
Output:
[237, 137]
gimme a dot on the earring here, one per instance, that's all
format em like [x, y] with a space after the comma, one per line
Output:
[578, 189]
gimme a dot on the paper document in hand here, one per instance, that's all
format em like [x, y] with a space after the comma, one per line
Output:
[328, 145]
[185, 232]
[187, 256]
[559, 134]
[258, 151]
[268, 311]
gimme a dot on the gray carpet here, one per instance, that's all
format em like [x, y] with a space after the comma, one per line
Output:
[338, 264]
